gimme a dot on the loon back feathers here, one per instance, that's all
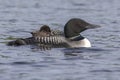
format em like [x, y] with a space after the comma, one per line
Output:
[21, 41]
[42, 36]
[47, 36]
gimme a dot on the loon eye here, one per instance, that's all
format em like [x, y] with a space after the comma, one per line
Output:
[31, 32]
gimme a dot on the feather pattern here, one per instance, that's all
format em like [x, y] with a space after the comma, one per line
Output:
[50, 40]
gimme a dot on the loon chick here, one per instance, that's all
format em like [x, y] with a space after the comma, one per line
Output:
[43, 32]
[69, 38]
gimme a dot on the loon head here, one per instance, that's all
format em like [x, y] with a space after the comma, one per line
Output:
[43, 32]
[45, 28]
[75, 26]
[72, 30]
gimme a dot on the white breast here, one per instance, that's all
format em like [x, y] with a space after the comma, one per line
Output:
[82, 43]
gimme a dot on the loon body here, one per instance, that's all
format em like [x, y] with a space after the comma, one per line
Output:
[69, 38]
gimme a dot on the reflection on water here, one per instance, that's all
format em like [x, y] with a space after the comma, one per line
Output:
[101, 62]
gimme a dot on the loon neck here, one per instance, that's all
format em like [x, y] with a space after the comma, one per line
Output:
[79, 43]
[77, 38]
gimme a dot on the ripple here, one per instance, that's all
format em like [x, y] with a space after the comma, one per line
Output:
[13, 20]
[22, 63]
[82, 50]
[104, 70]
[38, 65]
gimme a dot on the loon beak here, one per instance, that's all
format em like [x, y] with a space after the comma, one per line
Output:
[92, 26]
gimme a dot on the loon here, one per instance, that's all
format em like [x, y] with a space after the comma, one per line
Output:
[71, 36]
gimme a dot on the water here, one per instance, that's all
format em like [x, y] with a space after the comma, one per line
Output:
[101, 62]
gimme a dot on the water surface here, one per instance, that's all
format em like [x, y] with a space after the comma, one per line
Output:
[101, 62]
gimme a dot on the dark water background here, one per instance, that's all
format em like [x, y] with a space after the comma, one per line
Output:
[101, 62]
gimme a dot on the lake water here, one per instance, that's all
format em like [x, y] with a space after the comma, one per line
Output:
[100, 62]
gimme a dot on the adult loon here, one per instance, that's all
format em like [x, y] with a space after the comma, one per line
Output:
[71, 36]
